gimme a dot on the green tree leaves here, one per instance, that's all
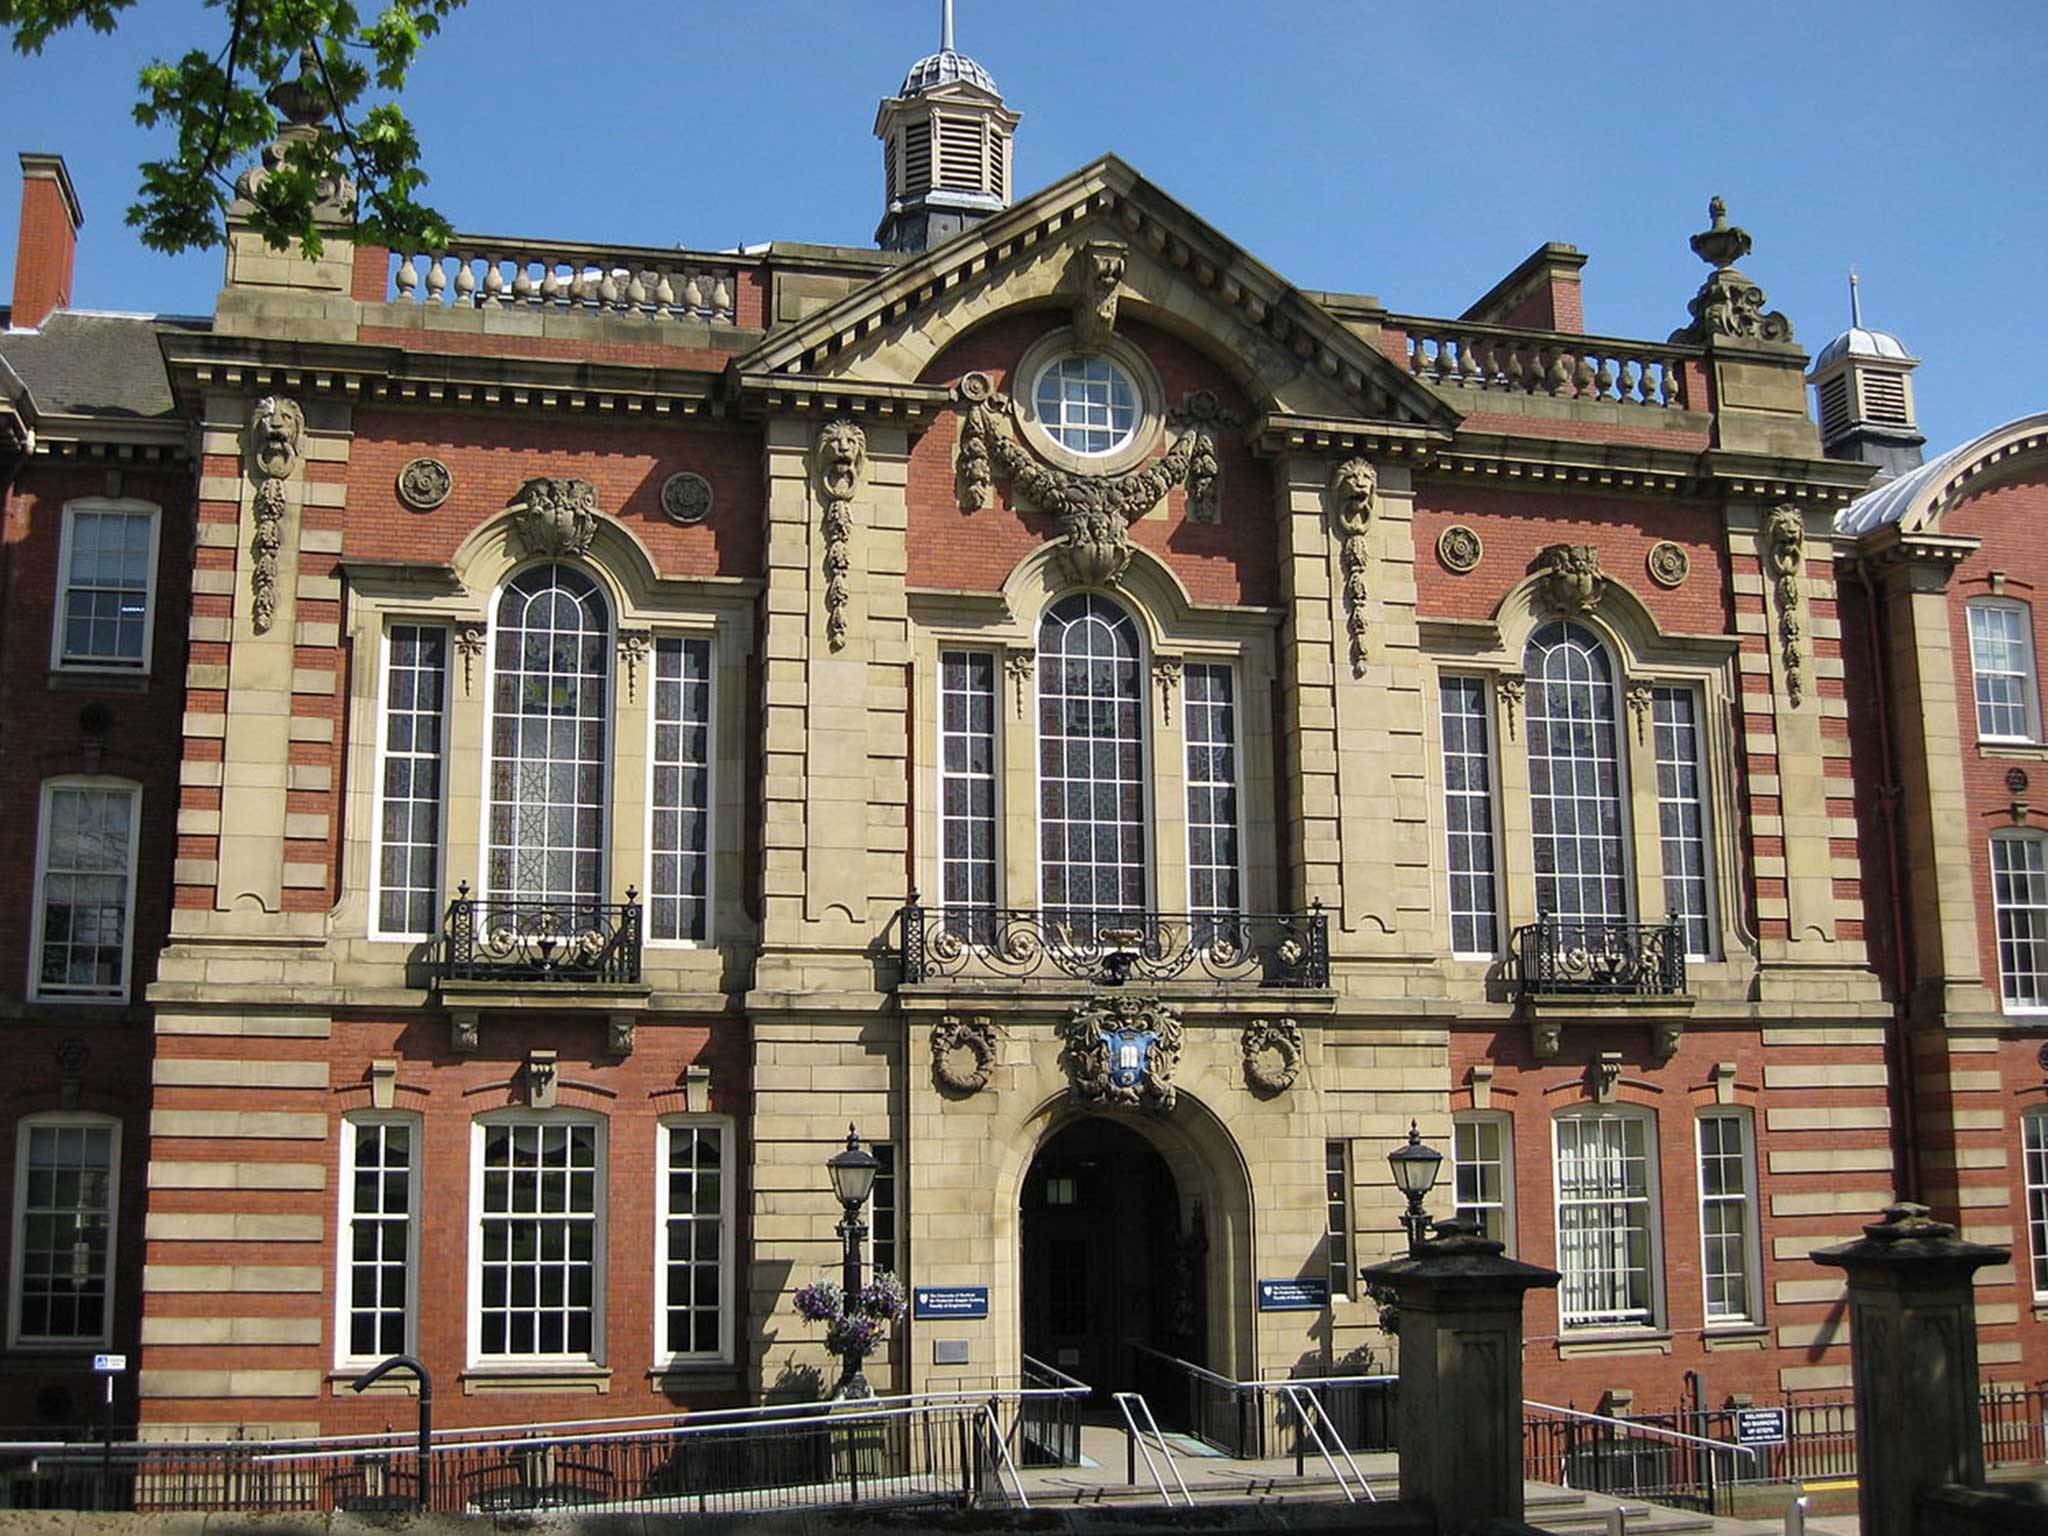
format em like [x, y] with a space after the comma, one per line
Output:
[315, 65]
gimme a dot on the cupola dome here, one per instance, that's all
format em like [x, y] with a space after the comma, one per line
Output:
[945, 148]
[1862, 383]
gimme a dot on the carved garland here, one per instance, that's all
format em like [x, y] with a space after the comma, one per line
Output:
[1272, 1054]
[954, 1038]
[1355, 497]
[277, 432]
[842, 459]
[1094, 511]
[1786, 537]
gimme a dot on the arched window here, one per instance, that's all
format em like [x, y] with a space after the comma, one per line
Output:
[550, 738]
[1575, 790]
[1091, 758]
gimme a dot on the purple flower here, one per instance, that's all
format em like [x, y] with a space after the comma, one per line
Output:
[818, 1302]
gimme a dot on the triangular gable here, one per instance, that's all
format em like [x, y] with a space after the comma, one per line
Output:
[1180, 272]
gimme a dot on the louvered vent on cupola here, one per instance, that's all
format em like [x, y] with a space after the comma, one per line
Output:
[1834, 405]
[1884, 399]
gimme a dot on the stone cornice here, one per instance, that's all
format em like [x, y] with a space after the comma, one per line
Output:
[756, 393]
[1821, 482]
[1892, 546]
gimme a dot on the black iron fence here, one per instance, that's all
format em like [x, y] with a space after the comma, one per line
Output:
[1109, 948]
[947, 1454]
[1569, 957]
[1048, 1419]
[508, 939]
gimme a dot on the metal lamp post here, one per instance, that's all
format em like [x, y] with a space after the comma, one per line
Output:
[853, 1179]
[1415, 1167]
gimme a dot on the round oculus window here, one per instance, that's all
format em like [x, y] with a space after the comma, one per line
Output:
[1088, 405]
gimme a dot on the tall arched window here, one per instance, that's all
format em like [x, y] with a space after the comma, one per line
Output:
[1091, 758]
[550, 738]
[1581, 839]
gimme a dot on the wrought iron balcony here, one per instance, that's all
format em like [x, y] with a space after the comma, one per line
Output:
[1577, 957]
[509, 939]
[1111, 948]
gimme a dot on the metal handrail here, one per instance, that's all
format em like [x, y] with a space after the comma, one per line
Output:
[1070, 1384]
[1123, 1402]
[1309, 1420]
[995, 1433]
[1636, 1426]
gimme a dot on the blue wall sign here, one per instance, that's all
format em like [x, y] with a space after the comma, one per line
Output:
[949, 1301]
[1293, 1295]
[1759, 1426]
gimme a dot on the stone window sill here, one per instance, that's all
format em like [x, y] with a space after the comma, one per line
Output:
[1639, 1341]
[394, 1385]
[2018, 751]
[1742, 1337]
[82, 679]
[695, 1376]
[573, 1378]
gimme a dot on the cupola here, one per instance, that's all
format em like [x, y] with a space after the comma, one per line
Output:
[1862, 382]
[945, 148]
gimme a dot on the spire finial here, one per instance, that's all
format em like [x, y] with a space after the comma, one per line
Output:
[1855, 300]
[946, 27]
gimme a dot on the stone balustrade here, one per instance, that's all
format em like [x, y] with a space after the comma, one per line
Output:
[1453, 355]
[492, 274]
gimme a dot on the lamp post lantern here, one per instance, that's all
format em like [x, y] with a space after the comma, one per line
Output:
[853, 1179]
[1415, 1167]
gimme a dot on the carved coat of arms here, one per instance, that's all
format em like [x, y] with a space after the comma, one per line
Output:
[555, 517]
[1123, 1051]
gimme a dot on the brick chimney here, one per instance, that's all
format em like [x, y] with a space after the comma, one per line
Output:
[50, 218]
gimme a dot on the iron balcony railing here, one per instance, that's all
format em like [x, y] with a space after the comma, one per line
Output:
[1109, 948]
[1578, 957]
[512, 939]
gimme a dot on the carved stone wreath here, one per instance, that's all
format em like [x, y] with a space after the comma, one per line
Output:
[1087, 1033]
[1459, 548]
[1272, 1054]
[686, 498]
[963, 1053]
[424, 484]
[1668, 564]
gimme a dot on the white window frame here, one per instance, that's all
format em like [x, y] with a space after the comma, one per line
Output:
[1702, 800]
[1752, 1315]
[1495, 873]
[1117, 378]
[1624, 838]
[122, 506]
[1147, 763]
[2034, 1179]
[377, 930]
[1653, 1220]
[600, 1243]
[712, 788]
[2029, 676]
[940, 776]
[727, 1248]
[344, 1251]
[18, 1230]
[1999, 909]
[106, 783]
[1236, 783]
[1505, 1125]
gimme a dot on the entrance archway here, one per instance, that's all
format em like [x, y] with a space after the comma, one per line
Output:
[1113, 1252]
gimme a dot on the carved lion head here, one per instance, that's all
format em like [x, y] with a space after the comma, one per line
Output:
[842, 459]
[278, 427]
[1355, 486]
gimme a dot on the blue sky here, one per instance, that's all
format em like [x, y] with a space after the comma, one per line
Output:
[1414, 152]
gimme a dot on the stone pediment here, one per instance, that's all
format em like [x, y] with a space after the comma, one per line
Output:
[1291, 355]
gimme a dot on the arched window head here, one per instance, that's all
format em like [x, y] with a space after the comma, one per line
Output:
[1091, 758]
[1575, 783]
[550, 737]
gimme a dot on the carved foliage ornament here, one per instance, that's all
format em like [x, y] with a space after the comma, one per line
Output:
[963, 1053]
[841, 462]
[1094, 511]
[1354, 498]
[277, 435]
[1785, 545]
[1272, 1054]
[1572, 578]
[1123, 1051]
[424, 484]
[555, 517]
[1728, 303]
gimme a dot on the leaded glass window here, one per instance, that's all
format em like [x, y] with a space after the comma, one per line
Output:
[1575, 785]
[1682, 816]
[967, 792]
[550, 742]
[410, 783]
[679, 886]
[1091, 760]
[1468, 815]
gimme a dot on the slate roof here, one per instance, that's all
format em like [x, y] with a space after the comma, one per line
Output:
[82, 363]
